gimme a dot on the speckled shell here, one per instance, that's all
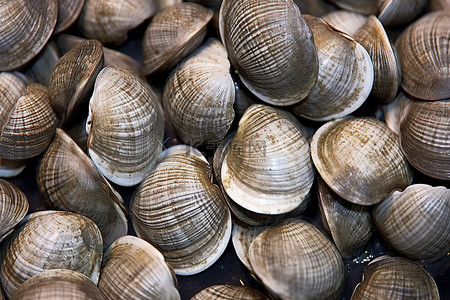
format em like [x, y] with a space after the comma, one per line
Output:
[267, 168]
[68, 180]
[360, 159]
[68, 13]
[395, 278]
[133, 269]
[28, 125]
[173, 34]
[424, 54]
[26, 27]
[51, 240]
[109, 20]
[58, 284]
[415, 222]
[339, 57]
[125, 126]
[229, 292]
[268, 42]
[295, 260]
[73, 77]
[179, 210]
[346, 21]
[386, 64]
[199, 95]
[349, 225]
[425, 137]
[13, 207]
[399, 12]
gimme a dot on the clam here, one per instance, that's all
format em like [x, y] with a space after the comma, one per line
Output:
[11, 168]
[13, 207]
[423, 49]
[40, 69]
[295, 260]
[414, 222]
[399, 12]
[51, 240]
[395, 278]
[315, 7]
[346, 21]
[181, 212]
[25, 29]
[345, 74]
[230, 292]
[58, 284]
[68, 180]
[360, 159]
[133, 269]
[368, 7]
[271, 47]
[199, 95]
[393, 112]
[349, 225]
[173, 34]
[73, 77]
[68, 13]
[386, 64]
[125, 126]
[267, 167]
[425, 137]
[439, 5]
[109, 21]
[27, 123]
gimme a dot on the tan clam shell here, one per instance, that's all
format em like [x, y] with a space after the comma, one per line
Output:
[68, 13]
[386, 64]
[68, 180]
[109, 20]
[339, 57]
[133, 269]
[25, 29]
[58, 284]
[173, 34]
[395, 277]
[315, 7]
[360, 159]
[267, 168]
[229, 292]
[40, 69]
[423, 49]
[29, 125]
[295, 260]
[268, 42]
[399, 12]
[368, 7]
[425, 137]
[349, 225]
[415, 221]
[346, 21]
[73, 77]
[12, 86]
[393, 112]
[51, 240]
[199, 95]
[13, 207]
[179, 210]
[439, 5]
[125, 126]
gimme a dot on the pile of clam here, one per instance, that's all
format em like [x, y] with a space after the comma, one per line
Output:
[302, 131]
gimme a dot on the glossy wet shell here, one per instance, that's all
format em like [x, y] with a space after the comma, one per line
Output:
[13, 207]
[346, 21]
[68, 13]
[398, 12]
[229, 292]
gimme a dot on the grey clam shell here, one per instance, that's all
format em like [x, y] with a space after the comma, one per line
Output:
[13, 207]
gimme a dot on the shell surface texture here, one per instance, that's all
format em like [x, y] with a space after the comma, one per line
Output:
[13, 207]
[229, 292]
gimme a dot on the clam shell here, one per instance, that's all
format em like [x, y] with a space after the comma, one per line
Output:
[230, 292]
[58, 284]
[25, 29]
[415, 222]
[133, 269]
[439, 5]
[12, 86]
[28, 126]
[339, 57]
[173, 34]
[424, 54]
[315, 7]
[425, 137]
[68, 180]
[399, 12]
[393, 112]
[125, 126]
[40, 69]
[51, 240]
[199, 95]
[386, 64]
[368, 7]
[346, 21]
[179, 210]
[268, 42]
[73, 77]
[11, 168]
[360, 159]
[13, 207]
[395, 278]
[267, 168]
[295, 260]
[68, 13]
